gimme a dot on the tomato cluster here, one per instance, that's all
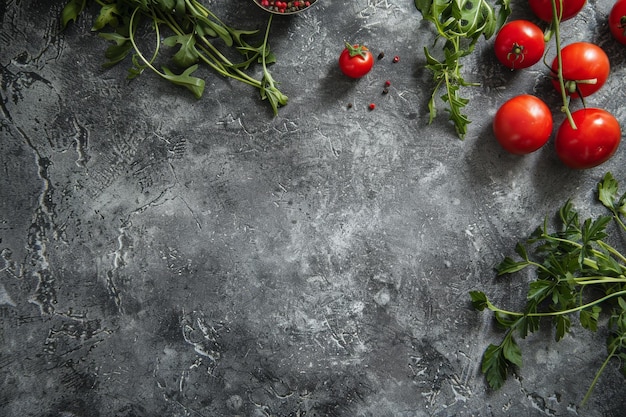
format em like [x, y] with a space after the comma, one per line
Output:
[587, 137]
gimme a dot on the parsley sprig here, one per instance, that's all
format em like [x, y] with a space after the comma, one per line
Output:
[459, 24]
[193, 30]
[579, 273]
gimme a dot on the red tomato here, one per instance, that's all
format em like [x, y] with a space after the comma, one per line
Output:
[593, 142]
[519, 44]
[617, 21]
[355, 61]
[586, 68]
[543, 8]
[523, 124]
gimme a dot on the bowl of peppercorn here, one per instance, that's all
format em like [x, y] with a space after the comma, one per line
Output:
[285, 7]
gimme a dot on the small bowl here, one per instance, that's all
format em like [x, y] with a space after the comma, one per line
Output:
[291, 6]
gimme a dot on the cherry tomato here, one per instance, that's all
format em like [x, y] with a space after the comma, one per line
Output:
[617, 21]
[543, 8]
[586, 68]
[355, 61]
[523, 124]
[519, 44]
[593, 142]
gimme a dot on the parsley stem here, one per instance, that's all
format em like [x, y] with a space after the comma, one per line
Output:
[590, 280]
[598, 374]
[555, 313]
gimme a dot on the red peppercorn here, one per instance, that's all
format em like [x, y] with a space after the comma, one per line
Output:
[396, 58]
[372, 106]
[387, 83]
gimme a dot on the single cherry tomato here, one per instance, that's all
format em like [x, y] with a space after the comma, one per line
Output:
[355, 61]
[543, 8]
[586, 68]
[593, 142]
[519, 44]
[523, 124]
[617, 21]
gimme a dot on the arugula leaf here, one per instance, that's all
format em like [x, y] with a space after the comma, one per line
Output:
[118, 52]
[192, 27]
[193, 84]
[460, 23]
[187, 54]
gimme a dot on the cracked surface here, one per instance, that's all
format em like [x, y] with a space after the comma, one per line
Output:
[161, 255]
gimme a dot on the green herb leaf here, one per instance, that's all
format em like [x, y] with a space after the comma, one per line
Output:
[187, 54]
[479, 300]
[495, 366]
[562, 324]
[108, 16]
[589, 318]
[194, 84]
[116, 53]
[509, 266]
[71, 11]
[512, 352]
[607, 191]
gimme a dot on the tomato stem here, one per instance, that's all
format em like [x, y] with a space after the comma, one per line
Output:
[355, 50]
[556, 20]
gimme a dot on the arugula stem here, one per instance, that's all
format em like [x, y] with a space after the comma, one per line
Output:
[136, 48]
[209, 57]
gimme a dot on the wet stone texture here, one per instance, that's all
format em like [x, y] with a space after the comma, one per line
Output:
[167, 256]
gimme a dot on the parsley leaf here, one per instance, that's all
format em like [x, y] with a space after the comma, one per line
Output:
[578, 273]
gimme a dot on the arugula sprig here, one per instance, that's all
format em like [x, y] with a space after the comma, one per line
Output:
[459, 24]
[191, 28]
[578, 273]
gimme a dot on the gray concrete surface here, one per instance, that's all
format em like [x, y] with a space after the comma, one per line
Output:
[166, 256]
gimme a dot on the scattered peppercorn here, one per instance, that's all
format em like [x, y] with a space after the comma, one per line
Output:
[349, 105]
[385, 90]
[372, 106]
[279, 6]
[381, 55]
[396, 59]
[387, 83]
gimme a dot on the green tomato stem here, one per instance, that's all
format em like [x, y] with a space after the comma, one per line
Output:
[557, 39]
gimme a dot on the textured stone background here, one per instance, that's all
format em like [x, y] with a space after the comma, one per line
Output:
[166, 256]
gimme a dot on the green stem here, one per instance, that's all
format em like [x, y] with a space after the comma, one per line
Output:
[591, 280]
[557, 39]
[555, 313]
[131, 35]
[597, 376]
[213, 58]
[612, 250]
